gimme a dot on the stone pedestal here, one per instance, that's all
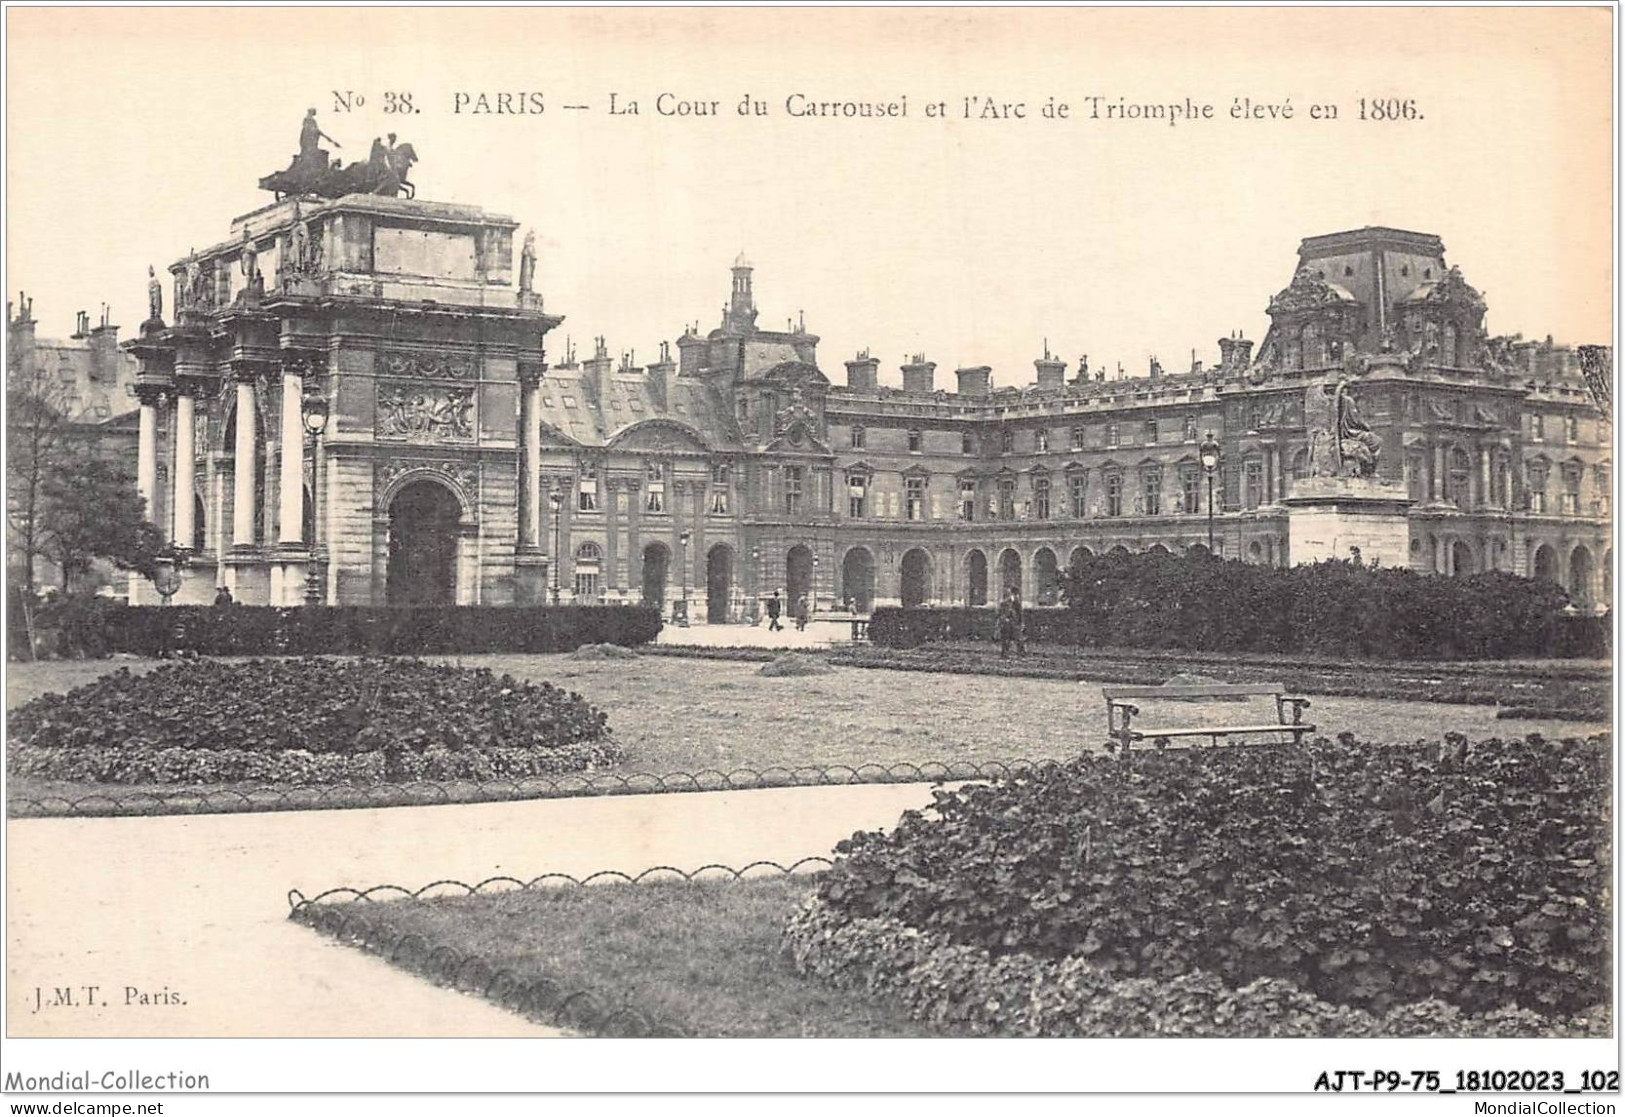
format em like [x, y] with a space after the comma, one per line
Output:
[530, 585]
[1337, 517]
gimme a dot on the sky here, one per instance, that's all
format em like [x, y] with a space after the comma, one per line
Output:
[135, 135]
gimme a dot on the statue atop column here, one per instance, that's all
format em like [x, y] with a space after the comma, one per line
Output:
[527, 264]
[155, 297]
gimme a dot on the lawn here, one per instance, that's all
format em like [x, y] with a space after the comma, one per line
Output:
[702, 956]
[676, 715]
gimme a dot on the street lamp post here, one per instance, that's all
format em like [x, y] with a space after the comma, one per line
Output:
[555, 501]
[1210, 462]
[683, 538]
[315, 414]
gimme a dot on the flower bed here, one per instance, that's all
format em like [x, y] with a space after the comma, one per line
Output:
[954, 986]
[310, 720]
[1366, 876]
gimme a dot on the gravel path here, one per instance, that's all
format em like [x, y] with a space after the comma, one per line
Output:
[197, 906]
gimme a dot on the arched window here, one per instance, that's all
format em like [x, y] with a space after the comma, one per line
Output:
[589, 558]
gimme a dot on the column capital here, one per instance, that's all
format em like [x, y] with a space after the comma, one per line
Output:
[188, 384]
[246, 370]
[530, 373]
[302, 362]
[152, 394]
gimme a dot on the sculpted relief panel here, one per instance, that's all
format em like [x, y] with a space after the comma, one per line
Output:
[420, 413]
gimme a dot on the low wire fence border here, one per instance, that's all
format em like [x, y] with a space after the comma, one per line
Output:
[342, 914]
[347, 796]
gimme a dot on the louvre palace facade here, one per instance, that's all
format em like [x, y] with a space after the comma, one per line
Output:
[355, 404]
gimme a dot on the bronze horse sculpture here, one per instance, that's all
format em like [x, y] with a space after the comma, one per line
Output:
[384, 172]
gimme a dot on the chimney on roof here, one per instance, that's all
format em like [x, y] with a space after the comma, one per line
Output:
[595, 371]
[1051, 370]
[1235, 354]
[104, 355]
[918, 374]
[81, 325]
[977, 381]
[1156, 368]
[863, 372]
[663, 378]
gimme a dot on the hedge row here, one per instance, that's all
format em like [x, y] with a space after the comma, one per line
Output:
[954, 985]
[101, 628]
[1343, 609]
[1368, 875]
[146, 764]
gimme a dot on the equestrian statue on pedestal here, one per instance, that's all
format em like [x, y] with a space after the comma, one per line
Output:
[313, 171]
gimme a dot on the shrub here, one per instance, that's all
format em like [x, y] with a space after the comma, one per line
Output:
[1367, 875]
[312, 719]
[1156, 600]
[790, 665]
[357, 630]
[948, 983]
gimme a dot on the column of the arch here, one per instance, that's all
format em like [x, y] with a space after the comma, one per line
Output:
[1438, 472]
[1485, 489]
[185, 464]
[530, 569]
[242, 508]
[288, 576]
[151, 397]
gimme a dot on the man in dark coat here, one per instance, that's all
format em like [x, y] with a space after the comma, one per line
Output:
[223, 597]
[774, 608]
[1010, 628]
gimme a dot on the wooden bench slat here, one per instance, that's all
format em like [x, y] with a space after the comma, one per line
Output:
[1221, 730]
[1192, 690]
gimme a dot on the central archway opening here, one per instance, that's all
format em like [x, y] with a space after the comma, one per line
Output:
[1047, 576]
[423, 530]
[916, 578]
[976, 578]
[1009, 573]
[858, 580]
[719, 583]
[798, 570]
[656, 569]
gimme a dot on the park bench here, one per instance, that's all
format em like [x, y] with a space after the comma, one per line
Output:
[1121, 711]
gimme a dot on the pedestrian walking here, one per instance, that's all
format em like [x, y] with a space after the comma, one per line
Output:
[774, 608]
[1010, 627]
[1021, 621]
[803, 613]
